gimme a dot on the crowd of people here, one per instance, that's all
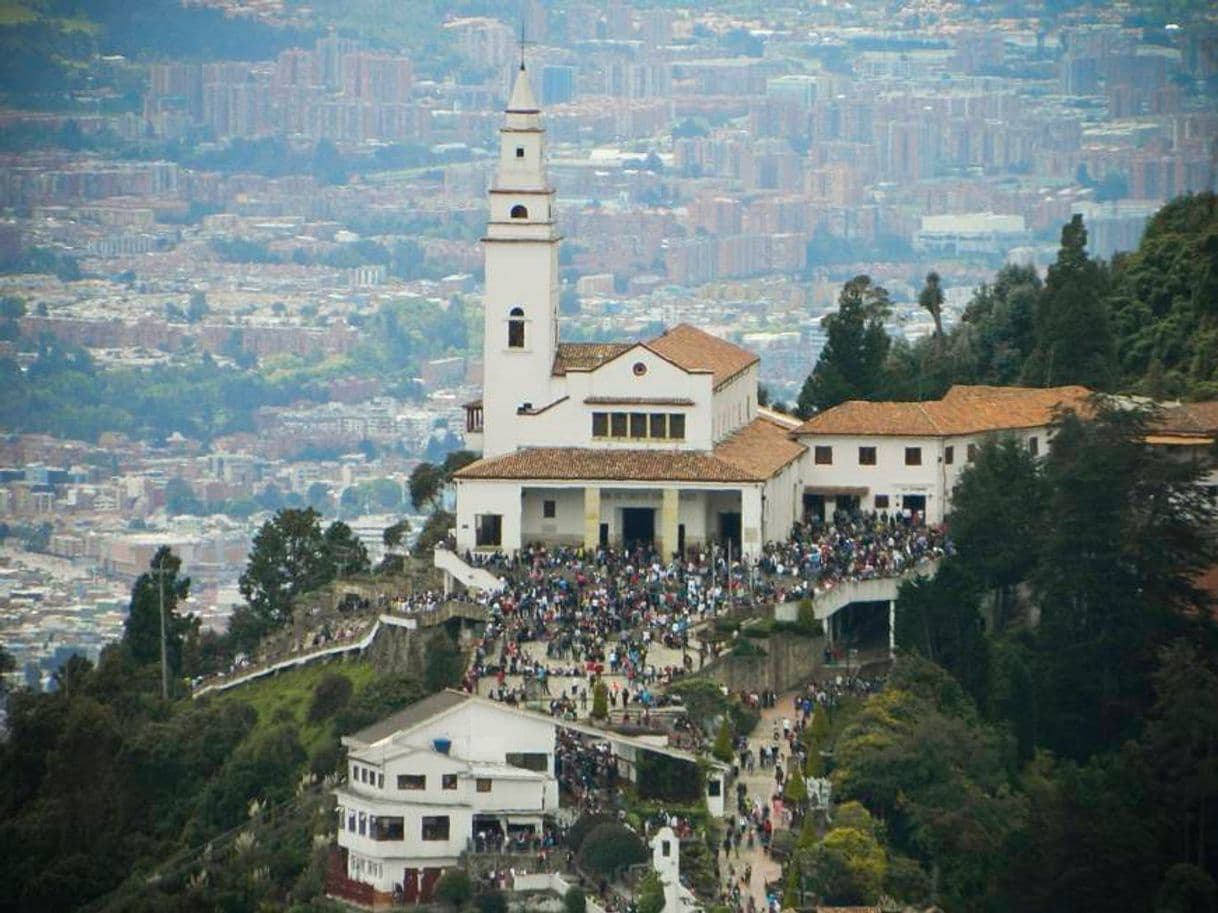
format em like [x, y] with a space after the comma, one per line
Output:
[854, 547]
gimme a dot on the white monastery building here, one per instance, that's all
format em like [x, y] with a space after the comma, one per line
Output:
[661, 441]
[658, 441]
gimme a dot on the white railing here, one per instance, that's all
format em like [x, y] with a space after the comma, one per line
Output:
[472, 578]
[831, 600]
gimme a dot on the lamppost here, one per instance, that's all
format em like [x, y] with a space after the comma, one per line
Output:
[160, 580]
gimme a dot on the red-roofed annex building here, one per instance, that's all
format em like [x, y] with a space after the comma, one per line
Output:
[659, 441]
[899, 456]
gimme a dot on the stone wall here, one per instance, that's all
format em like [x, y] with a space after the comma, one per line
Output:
[789, 660]
[402, 651]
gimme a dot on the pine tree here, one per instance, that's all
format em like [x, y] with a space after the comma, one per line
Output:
[851, 365]
[142, 630]
[1074, 340]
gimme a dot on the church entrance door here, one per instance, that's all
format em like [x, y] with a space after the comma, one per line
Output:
[729, 530]
[638, 527]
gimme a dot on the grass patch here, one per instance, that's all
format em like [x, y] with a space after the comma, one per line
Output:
[289, 694]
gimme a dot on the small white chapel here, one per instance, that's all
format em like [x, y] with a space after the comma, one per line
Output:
[656, 441]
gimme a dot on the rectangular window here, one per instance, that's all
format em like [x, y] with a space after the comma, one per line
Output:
[866, 456]
[351, 821]
[380, 781]
[354, 773]
[549, 509]
[600, 424]
[949, 455]
[913, 456]
[363, 824]
[484, 784]
[448, 781]
[638, 424]
[489, 529]
[665, 848]
[435, 827]
[529, 760]
[1034, 446]
[659, 425]
[676, 427]
[713, 787]
[387, 827]
[520, 152]
[823, 456]
[412, 781]
[972, 452]
[618, 424]
[881, 502]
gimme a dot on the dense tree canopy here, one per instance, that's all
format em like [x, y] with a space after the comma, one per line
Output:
[292, 555]
[851, 365]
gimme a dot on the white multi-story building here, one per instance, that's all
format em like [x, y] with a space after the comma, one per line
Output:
[652, 441]
[457, 773]
[900, 457]
[423, 783]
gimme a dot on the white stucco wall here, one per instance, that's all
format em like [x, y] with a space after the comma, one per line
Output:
[564, 419]
[567, 525]
[783, 501]
[735, 403]
[889, 476]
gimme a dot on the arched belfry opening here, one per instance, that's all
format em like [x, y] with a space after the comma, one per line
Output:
[516, 327]
[519, 211]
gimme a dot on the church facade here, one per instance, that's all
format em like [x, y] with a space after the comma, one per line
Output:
[658, 441]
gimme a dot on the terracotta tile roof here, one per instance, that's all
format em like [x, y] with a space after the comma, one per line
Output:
[1191, 419]
[697, 350]
[860, 417]
[963, 410]
[763, 447]
[579, 463]
[584, 356]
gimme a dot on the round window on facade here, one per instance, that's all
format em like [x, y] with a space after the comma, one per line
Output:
[639, 369]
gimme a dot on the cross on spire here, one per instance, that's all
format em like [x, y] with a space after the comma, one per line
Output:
[524, 42]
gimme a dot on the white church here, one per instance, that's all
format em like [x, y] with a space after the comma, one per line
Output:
[655, 441]
[662, 441]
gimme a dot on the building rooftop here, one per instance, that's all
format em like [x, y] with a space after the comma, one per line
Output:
[962, 410]
[696, 350]
[752, 454]
[408, 718]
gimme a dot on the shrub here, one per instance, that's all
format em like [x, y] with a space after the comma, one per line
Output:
[442, 667]
[331, 695]
[600, 701]
[583, 827]
[326, 757]
[491, 902]
[746, 647]
[650, 897]
[575, 901]
[744, 718]
[609, 848]
[454, 887]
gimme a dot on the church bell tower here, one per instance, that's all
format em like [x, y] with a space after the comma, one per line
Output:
[521, 258]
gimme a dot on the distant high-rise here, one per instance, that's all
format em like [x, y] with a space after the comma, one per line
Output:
[557, 84]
